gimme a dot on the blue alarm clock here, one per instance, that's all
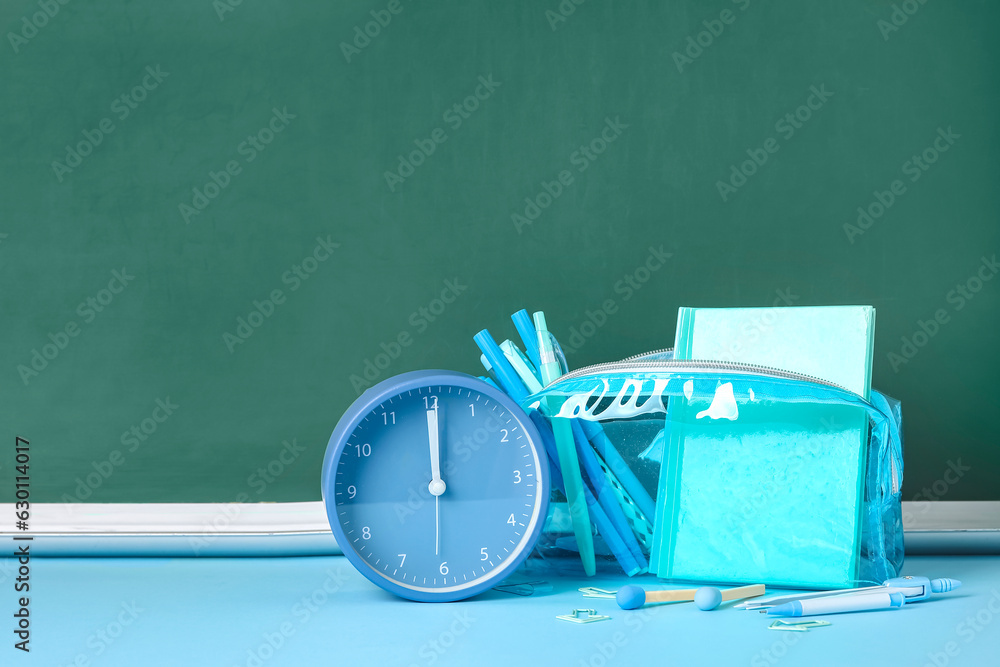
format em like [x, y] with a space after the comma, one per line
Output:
[436, 485]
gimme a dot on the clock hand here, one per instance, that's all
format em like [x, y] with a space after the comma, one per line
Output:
[437, 485]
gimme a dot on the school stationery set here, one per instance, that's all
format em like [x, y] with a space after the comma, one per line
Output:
[753, 452]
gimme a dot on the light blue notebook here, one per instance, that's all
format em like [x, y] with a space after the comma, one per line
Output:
[773, 495]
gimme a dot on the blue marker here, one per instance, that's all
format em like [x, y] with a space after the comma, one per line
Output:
[505, 375]
[606, 497]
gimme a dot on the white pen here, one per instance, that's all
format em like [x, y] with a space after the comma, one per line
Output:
[839, 604]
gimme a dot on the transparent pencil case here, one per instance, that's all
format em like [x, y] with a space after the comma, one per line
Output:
[708, 471]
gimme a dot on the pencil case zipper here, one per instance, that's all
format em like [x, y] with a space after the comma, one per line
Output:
[636, 364]
[640, 363]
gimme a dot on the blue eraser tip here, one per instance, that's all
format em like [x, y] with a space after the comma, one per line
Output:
[707, 598]
[630, 597]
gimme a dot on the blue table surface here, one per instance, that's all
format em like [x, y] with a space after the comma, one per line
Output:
[319, 611]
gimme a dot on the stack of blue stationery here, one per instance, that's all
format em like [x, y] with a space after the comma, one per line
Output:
[599, 486]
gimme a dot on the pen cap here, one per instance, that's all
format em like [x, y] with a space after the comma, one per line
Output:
[944, 585]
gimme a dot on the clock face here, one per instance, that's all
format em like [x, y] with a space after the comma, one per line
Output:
[435, 486]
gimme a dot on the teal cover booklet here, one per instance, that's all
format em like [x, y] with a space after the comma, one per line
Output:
[765, 492]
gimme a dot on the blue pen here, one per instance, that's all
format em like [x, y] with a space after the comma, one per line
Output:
[839, 605]
[606, 496]
[619, 467]
[611, 537]
[529, 337]
[505, 375]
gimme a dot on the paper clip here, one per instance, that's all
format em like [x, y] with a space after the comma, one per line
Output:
[591, 592]
[583, 616]
[797, 626]
[524, 589]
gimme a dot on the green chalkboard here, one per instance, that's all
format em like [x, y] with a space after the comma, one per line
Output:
[221, 220]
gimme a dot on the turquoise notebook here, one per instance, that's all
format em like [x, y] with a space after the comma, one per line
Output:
[767, 493]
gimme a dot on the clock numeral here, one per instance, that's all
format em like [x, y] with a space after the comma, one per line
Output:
[388, 417]
[430, 402]
[352, 491]
[517, 476]
[483, 552]
[403, 557]
[364, 450]
[444, 567]
[473, 408]
[366, 533]
[504, 437]
[511, 521]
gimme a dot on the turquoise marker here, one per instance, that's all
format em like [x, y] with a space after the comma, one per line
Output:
[562, 429]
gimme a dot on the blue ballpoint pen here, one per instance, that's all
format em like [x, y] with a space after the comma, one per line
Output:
[839, 604]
